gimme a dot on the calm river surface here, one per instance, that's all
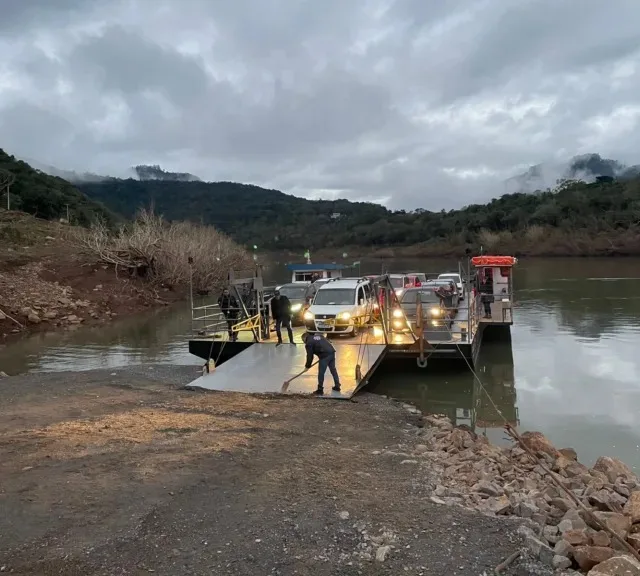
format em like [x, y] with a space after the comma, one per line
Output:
[571, 371]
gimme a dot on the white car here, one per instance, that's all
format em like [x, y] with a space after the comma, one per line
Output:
[341, 306]
[456, 278]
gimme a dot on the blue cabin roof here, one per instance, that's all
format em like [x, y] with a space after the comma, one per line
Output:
[313, 267]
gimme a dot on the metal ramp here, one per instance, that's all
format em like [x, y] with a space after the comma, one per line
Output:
[264, 368]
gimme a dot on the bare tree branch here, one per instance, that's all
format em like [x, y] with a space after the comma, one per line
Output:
[160, 251]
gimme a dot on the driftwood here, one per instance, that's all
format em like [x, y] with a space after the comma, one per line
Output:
[12, 319]
[507, 562]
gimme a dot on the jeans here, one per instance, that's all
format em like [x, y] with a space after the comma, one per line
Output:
[323, 364]
[487, 300]
[231, 321]
[286, 322]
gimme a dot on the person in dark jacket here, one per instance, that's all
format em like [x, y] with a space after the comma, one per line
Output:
[486, 291]
[318, 345]
[229, 306]
[281, 313]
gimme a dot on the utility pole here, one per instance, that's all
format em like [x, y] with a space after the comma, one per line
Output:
[6, 179]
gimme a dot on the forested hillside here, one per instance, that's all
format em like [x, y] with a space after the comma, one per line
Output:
[250, 214]
[274, 220]
[45, 196]
[575, 218]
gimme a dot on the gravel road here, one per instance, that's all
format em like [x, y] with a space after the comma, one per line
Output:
[120, 472]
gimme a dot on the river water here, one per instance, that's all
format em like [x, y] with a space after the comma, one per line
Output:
[572, 369]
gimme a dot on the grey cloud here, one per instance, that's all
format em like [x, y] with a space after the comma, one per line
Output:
[432, 104]
[15, 15]
[125, 61]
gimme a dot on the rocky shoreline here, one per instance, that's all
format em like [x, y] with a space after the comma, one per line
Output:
[53, 295]
[568, 537]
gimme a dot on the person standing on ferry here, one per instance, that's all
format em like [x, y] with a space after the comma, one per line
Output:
[281, 313]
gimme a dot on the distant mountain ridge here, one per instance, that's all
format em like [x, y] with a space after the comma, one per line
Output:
[601, 217]
[539, 177]
[587, 167]
[154, 172]
[68, 175]
[142, 171]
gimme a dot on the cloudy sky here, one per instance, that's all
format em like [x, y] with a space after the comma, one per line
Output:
[416, 103]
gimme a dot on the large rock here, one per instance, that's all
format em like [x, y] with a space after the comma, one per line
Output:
[33, 318]
[488, 488]
[607, 501]
[576, 537]
[589, 556]
[617, 566]
[561, 562]
[499, 505]
[539, 549]
[599, 538]
[571, 521]
[613, 468]
[569, 453]
[563, 548]
[551, 534]
[615, 522]
[632, 507]
[537, 442]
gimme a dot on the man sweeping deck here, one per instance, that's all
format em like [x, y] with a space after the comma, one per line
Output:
[318, 345]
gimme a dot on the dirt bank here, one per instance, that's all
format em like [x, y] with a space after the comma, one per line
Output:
[120, 473]
[46, 284]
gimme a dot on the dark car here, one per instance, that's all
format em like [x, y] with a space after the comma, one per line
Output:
[434, 314]
[300, 295]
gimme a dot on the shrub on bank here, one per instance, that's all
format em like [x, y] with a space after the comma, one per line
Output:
[161, 251]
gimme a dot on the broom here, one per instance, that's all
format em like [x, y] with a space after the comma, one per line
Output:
[285, 384]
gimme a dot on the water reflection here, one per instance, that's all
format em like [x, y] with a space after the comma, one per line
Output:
[451, 389]
[590, 298]
[158, 337]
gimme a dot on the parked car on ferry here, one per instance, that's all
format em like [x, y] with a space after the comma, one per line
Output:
[417, 278]
[321, 282]
[453, 300]
[405, 317]
[300, 295]
[456, 278]
[341, 306]
[402, 282]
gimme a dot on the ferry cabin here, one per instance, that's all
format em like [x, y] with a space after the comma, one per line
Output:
[500, 270]
[310, 272]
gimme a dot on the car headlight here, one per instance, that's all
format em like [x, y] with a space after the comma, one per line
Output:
[398, 324]
[345, 316]
[397, 313]
[296, 307]
[399, 291]
[435, 311]
[308, 315]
